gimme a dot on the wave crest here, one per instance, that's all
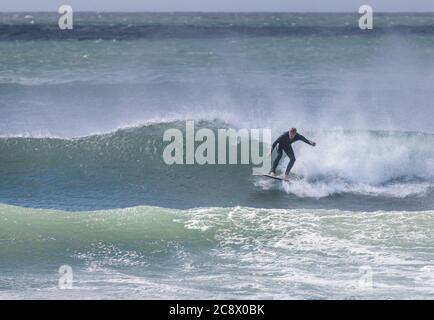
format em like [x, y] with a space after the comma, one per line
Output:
[367, 163]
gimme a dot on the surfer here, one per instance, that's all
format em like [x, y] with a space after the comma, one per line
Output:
[284, 142]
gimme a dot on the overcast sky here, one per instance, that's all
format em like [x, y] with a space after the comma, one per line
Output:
[217, 5]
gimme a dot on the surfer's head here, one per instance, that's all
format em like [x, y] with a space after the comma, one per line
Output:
[292, 132]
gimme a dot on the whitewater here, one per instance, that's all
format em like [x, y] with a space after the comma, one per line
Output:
[83, 183]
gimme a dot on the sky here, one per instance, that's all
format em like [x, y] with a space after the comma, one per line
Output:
[218, 5]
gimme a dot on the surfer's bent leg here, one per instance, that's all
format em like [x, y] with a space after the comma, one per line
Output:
[276, 161]
[290, 153]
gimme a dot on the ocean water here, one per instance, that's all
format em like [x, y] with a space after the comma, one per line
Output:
[83, 182]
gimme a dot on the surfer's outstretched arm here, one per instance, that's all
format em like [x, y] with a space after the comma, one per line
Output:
[273, 146]
[302, 138]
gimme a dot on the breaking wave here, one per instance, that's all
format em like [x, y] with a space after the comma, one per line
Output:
[129, 163]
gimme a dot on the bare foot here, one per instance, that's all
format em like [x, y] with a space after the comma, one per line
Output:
[286, 177]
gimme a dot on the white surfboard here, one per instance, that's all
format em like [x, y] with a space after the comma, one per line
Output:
[271, 176]
[275, 177]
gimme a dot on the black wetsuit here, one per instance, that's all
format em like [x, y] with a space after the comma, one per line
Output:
[285, 145]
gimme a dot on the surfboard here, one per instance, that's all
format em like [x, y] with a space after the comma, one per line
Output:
[272, 177]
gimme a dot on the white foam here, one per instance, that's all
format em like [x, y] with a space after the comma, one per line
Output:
[318, 190]
[368, 163]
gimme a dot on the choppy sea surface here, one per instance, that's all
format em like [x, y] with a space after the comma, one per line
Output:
[83, 182]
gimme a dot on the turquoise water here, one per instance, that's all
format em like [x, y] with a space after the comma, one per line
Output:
[208, 253]
[83, 184]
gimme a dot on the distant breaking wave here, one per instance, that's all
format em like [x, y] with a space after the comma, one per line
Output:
[127, 27]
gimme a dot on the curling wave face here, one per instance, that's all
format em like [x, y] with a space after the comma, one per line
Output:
[125, 168]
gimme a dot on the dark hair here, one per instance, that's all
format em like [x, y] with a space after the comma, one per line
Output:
[293, 130]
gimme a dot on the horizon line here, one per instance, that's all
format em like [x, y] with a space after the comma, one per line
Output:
[200, 11]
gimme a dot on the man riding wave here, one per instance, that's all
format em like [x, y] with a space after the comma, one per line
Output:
[284, 142]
